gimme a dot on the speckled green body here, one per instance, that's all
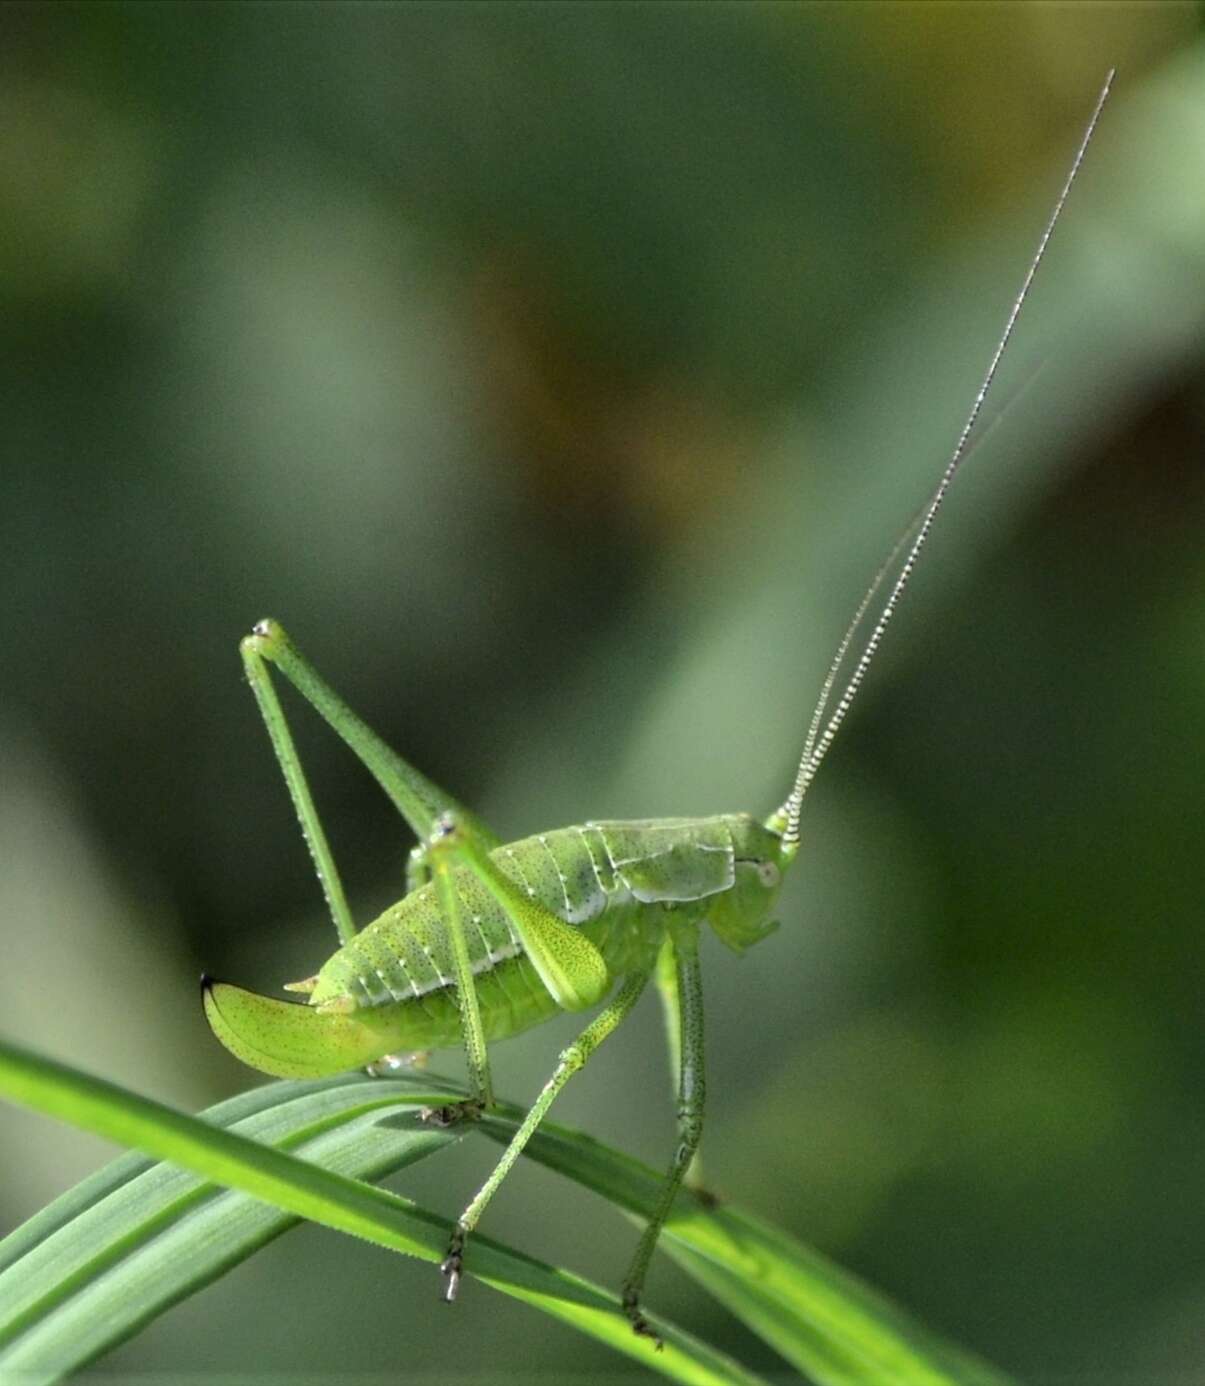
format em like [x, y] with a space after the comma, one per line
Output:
[615, 881]
[506, 935]
[493, 938]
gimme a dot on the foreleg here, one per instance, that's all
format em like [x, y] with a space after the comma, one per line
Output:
[666, 977]
[691, 1094]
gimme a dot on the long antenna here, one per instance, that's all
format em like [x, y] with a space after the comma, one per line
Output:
[816, 748]
[888, 564]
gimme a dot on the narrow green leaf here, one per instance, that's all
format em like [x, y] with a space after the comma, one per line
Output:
[43, 1321]
[78, 1200]
[819, 1317]
[137, 1245]
[272, 1102]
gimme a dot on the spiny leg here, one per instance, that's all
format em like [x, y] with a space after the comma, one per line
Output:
[441, 852]
[666, 978]
[691, 1094]
[299, 792]
[417, 799]
[571, 1060]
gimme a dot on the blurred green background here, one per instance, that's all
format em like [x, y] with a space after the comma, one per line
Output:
[559, 376]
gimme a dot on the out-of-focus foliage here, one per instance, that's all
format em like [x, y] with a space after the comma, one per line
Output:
[560, 374]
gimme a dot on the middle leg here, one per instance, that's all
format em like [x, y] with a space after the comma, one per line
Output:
[571, 1061]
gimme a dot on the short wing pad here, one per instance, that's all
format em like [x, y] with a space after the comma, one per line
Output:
[669, 859]
[569, 965]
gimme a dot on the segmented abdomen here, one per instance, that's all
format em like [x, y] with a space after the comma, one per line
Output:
[604, 877]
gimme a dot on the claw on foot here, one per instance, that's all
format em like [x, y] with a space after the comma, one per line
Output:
[452, 1113]
[453, 1264]
[640, 1325]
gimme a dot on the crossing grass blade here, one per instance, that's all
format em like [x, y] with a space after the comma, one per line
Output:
[91, 1269]
[124, 1245]
[138, 1236]
[818, 1316]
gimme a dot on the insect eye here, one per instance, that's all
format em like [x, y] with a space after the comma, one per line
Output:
[767, 874]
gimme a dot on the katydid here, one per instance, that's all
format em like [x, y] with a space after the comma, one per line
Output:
[492, 938]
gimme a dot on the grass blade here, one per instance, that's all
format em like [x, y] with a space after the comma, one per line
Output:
[819, 1317]
[43, 1323]
[125, 1245]
[148, 1220]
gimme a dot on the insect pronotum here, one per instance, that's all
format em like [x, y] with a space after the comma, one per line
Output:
[491, 938]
